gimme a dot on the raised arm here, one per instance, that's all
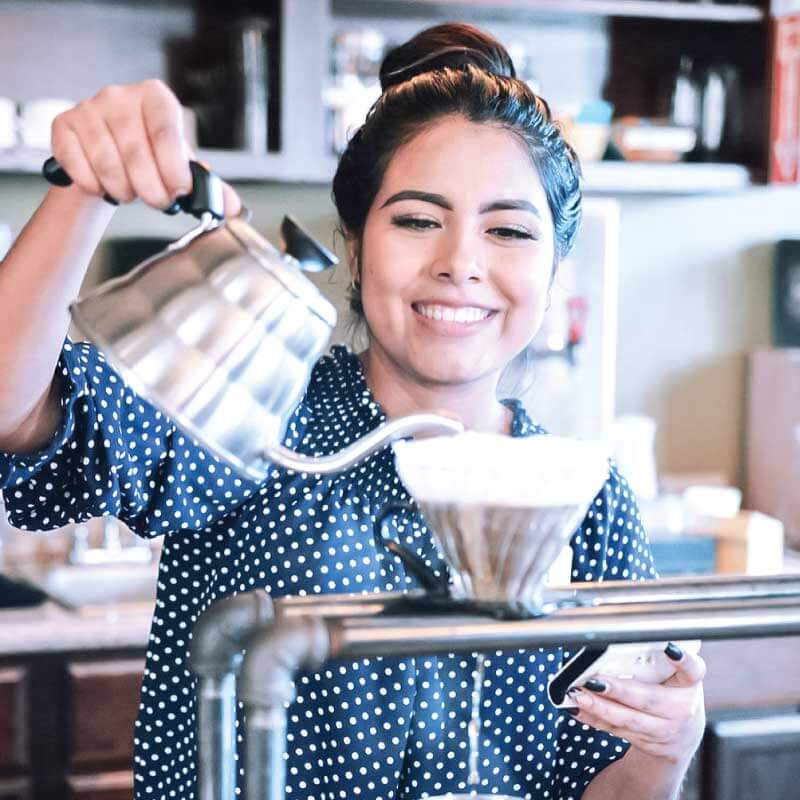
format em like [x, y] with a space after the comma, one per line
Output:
[126, 142]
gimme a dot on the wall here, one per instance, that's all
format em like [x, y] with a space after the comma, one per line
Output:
[695, 284]
[695, 272]
[695, 297]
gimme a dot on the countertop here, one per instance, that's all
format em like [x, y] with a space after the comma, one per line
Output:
[51, 628]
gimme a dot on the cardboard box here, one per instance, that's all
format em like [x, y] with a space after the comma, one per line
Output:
[750, 543]
[773, 438]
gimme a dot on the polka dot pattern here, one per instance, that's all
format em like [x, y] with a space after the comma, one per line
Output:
[377, 729]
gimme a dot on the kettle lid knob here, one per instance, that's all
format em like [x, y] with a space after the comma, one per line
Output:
[313, 256]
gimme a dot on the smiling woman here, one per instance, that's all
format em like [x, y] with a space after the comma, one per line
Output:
[457, 197]
[454, 278]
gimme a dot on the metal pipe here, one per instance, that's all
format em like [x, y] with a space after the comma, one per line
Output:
[705, 587]
[294, 642]
[265, 774]
[218, 637]
[216, 730]
[266, 687]
[339, 605]
[398, 636]
[591, 593]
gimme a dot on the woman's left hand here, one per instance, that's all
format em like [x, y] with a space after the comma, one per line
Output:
[663, 720]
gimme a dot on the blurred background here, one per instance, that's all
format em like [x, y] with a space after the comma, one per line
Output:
[673, 330]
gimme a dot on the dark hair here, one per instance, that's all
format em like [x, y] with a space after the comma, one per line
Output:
[454, 69]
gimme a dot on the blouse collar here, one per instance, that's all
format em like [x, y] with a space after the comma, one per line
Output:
[521, 423]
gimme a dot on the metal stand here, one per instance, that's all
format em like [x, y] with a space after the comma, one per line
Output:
[305, 632]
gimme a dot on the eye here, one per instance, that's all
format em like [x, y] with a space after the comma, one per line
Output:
[415, 223]
[512, 233]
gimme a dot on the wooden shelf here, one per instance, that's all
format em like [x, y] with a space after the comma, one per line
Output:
[602, 177]
[620, 177]
[232, 165]
[652, 9]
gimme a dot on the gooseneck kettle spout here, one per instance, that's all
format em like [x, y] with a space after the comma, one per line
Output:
[390, 431]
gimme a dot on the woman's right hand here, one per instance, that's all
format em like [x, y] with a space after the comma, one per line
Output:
[128, 142]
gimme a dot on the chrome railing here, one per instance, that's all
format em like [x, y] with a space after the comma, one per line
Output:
[293, 633]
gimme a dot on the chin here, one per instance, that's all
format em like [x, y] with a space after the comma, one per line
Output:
[449, 371]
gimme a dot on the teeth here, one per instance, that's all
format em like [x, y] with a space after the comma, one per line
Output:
[464, 315]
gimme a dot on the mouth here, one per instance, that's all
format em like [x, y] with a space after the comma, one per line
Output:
[459, 315]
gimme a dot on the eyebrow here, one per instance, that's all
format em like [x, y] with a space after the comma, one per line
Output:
[443, 202]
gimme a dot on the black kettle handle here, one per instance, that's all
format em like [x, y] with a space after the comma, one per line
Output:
[206, 196]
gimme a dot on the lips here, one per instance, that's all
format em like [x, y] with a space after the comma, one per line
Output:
[464, 315]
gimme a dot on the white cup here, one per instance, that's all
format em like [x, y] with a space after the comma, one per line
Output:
[634, 441]
[6, 239]
[8, 123]
[36, 119]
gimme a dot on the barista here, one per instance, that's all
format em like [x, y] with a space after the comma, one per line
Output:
[457, 198]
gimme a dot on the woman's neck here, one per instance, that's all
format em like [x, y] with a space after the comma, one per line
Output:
[474, 403]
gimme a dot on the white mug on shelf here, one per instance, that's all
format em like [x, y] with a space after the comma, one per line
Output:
[6, 239]
[36, 119]
[634, 440]
[8, 123]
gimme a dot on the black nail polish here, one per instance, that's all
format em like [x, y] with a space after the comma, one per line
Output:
[593, 685]
[673, 651]
[573, 691]
[573, 711]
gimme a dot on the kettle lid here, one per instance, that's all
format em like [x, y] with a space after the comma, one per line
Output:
[282, 268]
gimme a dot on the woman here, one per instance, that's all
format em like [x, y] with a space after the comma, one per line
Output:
[457, 198]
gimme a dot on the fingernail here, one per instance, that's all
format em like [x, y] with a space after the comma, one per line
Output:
[593, 685]
[573, 711]
[573, 691]
[673, 651]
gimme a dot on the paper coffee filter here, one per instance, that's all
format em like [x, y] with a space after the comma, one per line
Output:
[491, 469]
[502, 509]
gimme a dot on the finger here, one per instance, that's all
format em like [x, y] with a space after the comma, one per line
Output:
[163, 121]
[233, 203]
[612, 714]
[68, 151]
[101, 149]
[691, 669]
[656, 699]
[640, 740]
[127, 128]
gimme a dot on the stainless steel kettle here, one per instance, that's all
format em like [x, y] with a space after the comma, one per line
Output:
[221, 332]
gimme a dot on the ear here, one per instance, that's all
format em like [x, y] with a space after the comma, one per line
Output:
[351, 243]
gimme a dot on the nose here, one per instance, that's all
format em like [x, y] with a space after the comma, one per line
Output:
[458, 259]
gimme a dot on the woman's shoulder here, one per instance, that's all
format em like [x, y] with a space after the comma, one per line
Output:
[521, 422]
[335, 376]
[337, 406]
[337, 392]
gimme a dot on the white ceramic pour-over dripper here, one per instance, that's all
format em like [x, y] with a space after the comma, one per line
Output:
[502, 509]
[501, 554]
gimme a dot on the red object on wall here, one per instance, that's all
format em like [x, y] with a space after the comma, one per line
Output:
[784, 136]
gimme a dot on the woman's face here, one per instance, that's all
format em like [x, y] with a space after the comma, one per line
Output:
[457, 254]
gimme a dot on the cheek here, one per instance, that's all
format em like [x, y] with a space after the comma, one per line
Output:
[381, 294]
[526, 291]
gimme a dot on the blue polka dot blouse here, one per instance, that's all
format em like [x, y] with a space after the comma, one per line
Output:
[376, 729]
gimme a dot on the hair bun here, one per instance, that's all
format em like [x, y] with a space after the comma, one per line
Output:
[454, 45]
